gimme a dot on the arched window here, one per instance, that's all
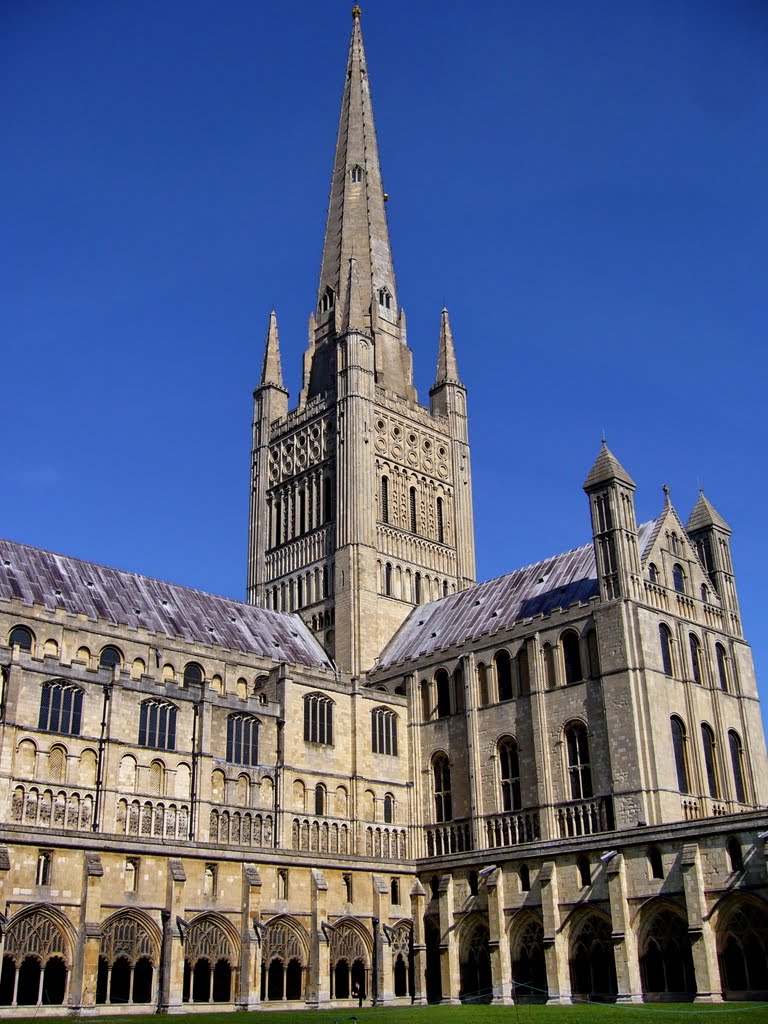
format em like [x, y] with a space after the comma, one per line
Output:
[193, 674]
[737, 764]
[697, 663]
[704, 592]
[412, 509]
[579, 771]
[549, 666]
[722, 667]
[585, 870]
[328, 300]
[318, 719]
[434, 887]
[385, 299]
[22, 638]
[571, 656]
[61, 708]
[157, 778]
[678, 578]
[710, 764]
[389, 808]
[503, 665]
[443, 686]
[384, 731]
[655, 863]
[441, 777]
[243, 739]
[439, 517]
[388, 579]
[474, 883]
[525, 878]
[653, 573]
[417, 587]
[319, 799]
[673, 544]
[157, 725]
[509, 772]
[394, 892]
[110, 657]
[665, 643]
[385, 499]
[680, 748]
[733, 848]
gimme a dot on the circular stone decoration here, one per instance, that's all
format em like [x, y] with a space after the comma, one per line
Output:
[397, 451]
[381, 425]
[381, 445]
[442, 472]
[315, 452]
[396, 432]
[412, 440]
[441, 452]
[413, 459]
[428, 465]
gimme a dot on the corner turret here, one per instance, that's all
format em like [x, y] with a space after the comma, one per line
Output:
[611, 493]
[710, 534]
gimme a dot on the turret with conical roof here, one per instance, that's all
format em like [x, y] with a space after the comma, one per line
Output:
[614, 528]
[711, 535]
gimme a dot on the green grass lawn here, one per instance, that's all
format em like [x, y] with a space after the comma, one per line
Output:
[585, 1013]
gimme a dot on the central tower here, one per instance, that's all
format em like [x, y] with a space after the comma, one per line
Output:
[361, 499]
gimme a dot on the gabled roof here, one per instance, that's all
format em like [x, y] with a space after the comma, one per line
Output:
[498, 604]
[704, 516]
[52, 581]
[558, 582]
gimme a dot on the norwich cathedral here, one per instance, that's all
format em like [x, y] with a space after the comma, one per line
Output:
[379, 781]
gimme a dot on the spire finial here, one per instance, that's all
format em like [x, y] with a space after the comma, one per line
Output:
[665, 488]
[271, 371]
[356, 12]
[604, 439]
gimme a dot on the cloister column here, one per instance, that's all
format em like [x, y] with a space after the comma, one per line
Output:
[501, 967]
[630, 987]
[555, 943]
[250, 961]
[318, 988]
[700, 931]
[173, 972]
[85, 972]
[449, 956]
[381, 910]
[418, 945]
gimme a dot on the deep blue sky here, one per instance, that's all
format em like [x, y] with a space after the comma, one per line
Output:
[582, 184]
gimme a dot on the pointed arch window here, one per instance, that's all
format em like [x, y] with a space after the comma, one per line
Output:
[61, 708]
[441, 780]
[678, 578]
[439, 517]
[697, 660]
[243, 739]
[356, 174]
[384, 731]
[328, 301]
[665, 643]
[385, 298]
[157, 725]
[722, 667]
[680, 749]
[572, 656]
[509, 772]
[653, 573]
[710, 762]
[737, 765]
[385, 499]
[503, 666]
[579, 770]
[318, 719]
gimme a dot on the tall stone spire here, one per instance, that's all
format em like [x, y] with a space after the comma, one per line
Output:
[447, 369]
[357, 224]
[271, 371]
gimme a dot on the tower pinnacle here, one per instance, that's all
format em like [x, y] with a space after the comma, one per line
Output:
[447, 368]
[271, 371]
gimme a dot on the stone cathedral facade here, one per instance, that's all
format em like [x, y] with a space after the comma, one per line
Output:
[378, 778]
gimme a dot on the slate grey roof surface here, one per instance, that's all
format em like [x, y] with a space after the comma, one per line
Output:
[538, 589]
[51, 581]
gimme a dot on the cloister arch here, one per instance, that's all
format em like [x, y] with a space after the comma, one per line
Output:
[350, 959]
[664, 948]
[402, 959]
[284, 959]
[591, 960]
[128, 958]
[741, 928]
[37, 958]
[475, 960]
[529, 970]
[211, 959]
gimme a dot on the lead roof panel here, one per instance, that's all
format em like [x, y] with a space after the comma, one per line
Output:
[51, 581]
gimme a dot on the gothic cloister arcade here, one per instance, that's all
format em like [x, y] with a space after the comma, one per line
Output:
[128, 959]
[664, 949]
[284, 960]
[211, 960]
[742, 947]
[350, 960]
[475, 959]
[37, 959]
[591, 960]
[529, 970]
